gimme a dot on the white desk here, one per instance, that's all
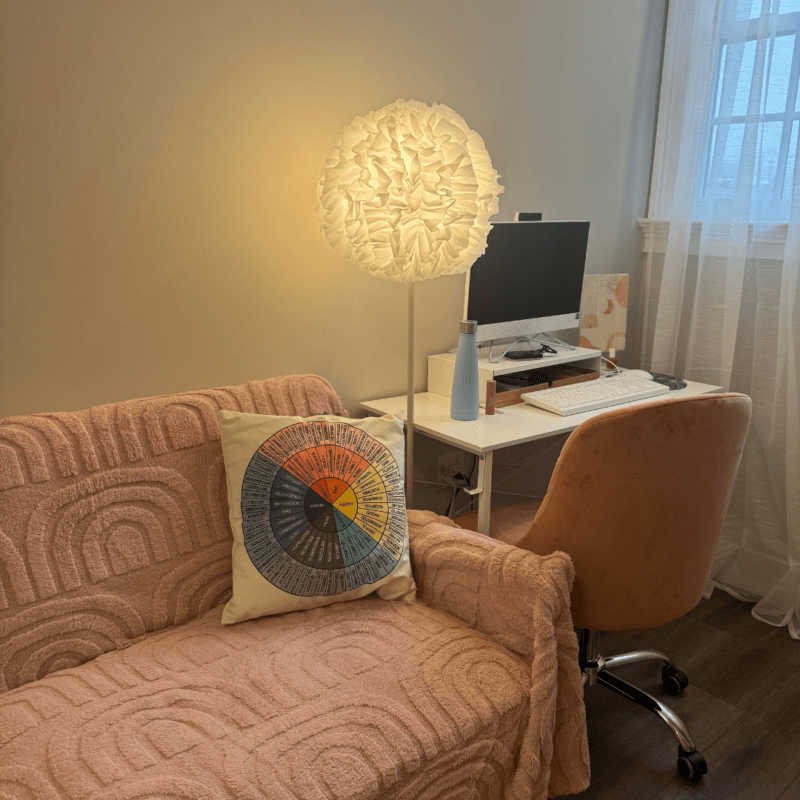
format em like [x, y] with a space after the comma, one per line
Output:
[515, 425]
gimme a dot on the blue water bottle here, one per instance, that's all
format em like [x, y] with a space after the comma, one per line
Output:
[464, 398]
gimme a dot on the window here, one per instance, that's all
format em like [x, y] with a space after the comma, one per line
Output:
[753, 116]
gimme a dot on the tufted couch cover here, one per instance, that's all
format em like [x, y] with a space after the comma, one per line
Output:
[117, 679]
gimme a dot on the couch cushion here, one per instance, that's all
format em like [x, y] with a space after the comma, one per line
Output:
[317, 510]
[358, 700]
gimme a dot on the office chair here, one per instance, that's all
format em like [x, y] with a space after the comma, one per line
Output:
[637, 499]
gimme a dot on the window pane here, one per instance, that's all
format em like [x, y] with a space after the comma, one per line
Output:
[722, 62]
[797, 102]
[769, 143]
[711, 149]
[781, 63]
[753, 9]
[790, 163]
[748, 9]
[727, 153]
[741, 57]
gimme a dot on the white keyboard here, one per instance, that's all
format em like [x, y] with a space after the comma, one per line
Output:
[590, 395]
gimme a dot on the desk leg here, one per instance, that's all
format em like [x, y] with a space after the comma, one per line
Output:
[485, 497]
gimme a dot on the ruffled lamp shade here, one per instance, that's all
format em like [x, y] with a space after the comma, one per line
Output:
[408, 192]
[407, 195]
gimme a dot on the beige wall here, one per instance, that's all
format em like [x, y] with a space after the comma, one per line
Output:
[160, 160]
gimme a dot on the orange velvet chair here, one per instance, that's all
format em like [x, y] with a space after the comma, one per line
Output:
[637, 499]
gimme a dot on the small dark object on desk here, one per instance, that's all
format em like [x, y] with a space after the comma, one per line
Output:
[521, 354]
[669, 380]
[529, 377]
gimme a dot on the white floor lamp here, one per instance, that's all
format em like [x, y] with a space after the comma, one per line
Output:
[407, 195]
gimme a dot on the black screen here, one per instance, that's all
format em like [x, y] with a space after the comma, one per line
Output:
[529, 270]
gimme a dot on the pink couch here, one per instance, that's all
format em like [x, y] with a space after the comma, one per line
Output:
[118, 681]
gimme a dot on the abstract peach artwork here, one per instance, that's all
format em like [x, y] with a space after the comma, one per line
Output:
[604, 311]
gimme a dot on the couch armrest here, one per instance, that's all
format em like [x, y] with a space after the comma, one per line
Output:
[489, 585]
[522, 601]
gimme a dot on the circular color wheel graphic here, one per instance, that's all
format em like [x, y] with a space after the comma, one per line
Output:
[323, 510]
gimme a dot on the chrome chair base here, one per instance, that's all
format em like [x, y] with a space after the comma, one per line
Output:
[595, 670]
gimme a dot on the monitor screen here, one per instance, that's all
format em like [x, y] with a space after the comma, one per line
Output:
[529, 280]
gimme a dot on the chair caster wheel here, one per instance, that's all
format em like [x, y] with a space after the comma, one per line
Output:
[673, 681]
[691, 764]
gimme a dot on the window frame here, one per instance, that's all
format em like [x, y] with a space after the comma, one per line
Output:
[778, 208]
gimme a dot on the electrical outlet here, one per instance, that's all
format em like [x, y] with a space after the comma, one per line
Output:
[450, 464]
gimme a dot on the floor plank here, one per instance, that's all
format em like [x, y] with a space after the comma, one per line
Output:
[742, 708]
[793, 792]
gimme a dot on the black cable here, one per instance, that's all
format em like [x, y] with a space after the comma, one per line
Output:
[459, 481]
[450, 504]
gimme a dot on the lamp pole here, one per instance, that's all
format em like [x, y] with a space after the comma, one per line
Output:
[410, 402]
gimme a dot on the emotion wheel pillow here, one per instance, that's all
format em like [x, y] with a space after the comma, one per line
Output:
[317, 510]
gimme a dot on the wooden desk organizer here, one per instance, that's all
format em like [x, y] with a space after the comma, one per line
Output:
[507, 392]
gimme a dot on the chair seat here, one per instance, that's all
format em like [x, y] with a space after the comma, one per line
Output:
[508, 523]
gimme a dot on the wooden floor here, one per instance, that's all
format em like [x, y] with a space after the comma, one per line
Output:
[742, 708]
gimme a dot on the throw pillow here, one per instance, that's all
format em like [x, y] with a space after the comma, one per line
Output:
[317, 510]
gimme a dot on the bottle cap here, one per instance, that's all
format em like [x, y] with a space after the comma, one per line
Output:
[468, 326]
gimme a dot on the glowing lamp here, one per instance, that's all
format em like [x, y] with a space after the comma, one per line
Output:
[407, 195]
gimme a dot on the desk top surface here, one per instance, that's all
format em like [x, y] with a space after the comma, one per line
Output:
[507, 426]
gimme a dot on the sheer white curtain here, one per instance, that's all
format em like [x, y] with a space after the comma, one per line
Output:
[722, 252]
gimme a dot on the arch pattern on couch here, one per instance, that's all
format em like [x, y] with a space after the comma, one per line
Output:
[124, 503]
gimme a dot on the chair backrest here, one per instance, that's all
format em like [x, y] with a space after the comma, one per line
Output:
[114, 520]
[637, 499]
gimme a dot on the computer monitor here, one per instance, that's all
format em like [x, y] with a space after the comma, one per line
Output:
[529, 280]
